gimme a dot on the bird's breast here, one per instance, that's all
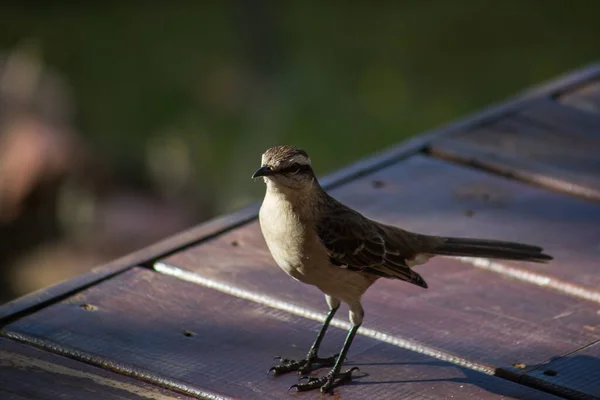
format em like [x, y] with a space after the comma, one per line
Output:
[289, 239]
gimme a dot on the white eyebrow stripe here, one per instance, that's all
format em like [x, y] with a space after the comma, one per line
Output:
[300, 159]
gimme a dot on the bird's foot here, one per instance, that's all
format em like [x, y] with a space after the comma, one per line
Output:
[303, 366]
[326, 383]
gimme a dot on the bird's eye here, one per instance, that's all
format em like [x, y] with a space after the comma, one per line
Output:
[294, 168]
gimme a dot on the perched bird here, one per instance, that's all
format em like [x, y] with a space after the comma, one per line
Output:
[319, 241]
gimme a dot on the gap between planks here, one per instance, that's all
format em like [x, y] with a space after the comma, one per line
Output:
[521, 171]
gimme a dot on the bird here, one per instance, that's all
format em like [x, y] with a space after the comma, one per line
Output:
[319, 241]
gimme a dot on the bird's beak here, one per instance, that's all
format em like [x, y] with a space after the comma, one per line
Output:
[263, 171]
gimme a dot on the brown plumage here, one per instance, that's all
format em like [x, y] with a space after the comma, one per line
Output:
[361, 244]
[319, 241]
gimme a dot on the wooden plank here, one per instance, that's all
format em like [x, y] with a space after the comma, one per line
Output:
[32, 374]
[567, 82]
[568, 121]
[193, 336]
[578, 374]
[180, 241]
[585, 98]
[39, 299]
[552, 149]
[529, 153]
[543, 175]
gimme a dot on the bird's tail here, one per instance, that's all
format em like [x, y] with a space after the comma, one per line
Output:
[464, 247]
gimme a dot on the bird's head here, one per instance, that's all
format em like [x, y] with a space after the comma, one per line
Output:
[286, 166]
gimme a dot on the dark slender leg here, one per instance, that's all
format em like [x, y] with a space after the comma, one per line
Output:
[305, 365]
[334, 377]
[314, 349]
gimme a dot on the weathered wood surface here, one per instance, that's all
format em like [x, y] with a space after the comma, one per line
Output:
[209, 340]
[42, 298]
[466, 311]
[571, 122]
[578, 372]
[586, 97]
[546, 143]
[30, 374]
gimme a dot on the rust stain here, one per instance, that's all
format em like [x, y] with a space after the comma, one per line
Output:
[188, 333]
[483, 192]
[88, 307]
[377, 184]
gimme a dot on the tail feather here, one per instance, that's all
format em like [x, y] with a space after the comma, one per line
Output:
[491, 249]
[489, 242]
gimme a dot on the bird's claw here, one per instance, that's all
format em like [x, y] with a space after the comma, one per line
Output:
[317, 362]
[287, 366]
[325, 383]
[303, 366]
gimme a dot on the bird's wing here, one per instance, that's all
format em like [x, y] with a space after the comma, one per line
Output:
[360, 244]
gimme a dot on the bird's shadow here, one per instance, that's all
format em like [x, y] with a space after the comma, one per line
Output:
[545, 377]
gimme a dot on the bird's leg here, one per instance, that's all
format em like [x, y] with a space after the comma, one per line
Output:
[335, 377]
[305, 365]
[312, 357]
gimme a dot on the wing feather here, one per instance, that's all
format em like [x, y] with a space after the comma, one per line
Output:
[360, 244]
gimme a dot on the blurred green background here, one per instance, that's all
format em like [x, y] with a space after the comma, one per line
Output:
[150, 117]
